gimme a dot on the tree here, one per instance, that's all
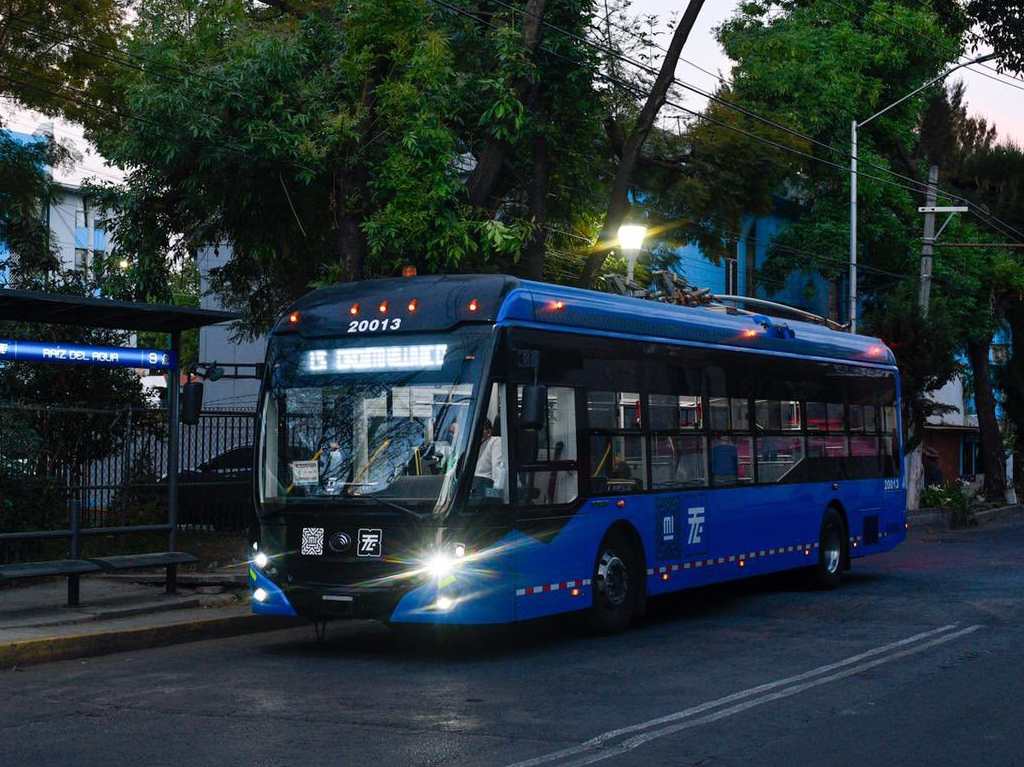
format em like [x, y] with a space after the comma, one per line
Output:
[52, 53]
[632, 143]
[1002, 26]
[25, 186]
[330, 140]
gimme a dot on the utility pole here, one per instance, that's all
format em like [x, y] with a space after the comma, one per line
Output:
[924, 296]
[853, 228]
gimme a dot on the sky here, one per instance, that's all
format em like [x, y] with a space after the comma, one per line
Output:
[1000, 102]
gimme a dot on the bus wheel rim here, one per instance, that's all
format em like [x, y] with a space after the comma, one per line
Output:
[613, 577]
[833, 550]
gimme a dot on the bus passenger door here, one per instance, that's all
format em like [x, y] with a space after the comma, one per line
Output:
[549, 554]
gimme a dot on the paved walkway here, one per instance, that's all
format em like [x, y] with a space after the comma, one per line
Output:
[119, 613]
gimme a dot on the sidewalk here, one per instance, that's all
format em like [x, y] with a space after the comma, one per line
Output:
[119, 613]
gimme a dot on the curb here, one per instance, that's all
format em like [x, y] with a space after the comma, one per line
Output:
[87, 645]
[940, 517]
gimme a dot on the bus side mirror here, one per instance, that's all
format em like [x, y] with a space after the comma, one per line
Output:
[191, 402]
[535, 407]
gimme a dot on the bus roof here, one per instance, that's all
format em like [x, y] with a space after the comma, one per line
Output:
[441, 302]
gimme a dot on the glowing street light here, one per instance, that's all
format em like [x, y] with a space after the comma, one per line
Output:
[631, 240]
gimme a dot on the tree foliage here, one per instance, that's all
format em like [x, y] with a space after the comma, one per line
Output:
[1002, 27]
[332, 140]
[52, 54]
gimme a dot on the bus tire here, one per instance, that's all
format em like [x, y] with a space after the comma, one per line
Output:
[828, 572]
[617, 584]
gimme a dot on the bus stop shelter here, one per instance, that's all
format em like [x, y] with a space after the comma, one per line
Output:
[88, 312]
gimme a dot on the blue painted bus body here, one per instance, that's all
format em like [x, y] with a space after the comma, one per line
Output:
[746, 531]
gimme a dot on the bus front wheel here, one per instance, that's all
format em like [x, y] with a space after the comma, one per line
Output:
[616, 585]
[827, 573]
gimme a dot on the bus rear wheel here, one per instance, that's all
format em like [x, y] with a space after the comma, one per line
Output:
[827, 573]
[616, 585]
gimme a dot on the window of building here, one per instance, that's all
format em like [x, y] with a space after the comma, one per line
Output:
[81, 219]
[548, 472]
[81, 259]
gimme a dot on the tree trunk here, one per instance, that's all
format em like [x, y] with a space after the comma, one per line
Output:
[485, 175]
[618, 202]
[991, 440]
[533, 266]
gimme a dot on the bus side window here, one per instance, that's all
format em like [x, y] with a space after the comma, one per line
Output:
[547, 472]
[490, 476]
[617, 460]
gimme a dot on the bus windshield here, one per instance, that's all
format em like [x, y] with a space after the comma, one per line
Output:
[362, 420]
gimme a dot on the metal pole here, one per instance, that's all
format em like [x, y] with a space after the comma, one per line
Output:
[631, 256]
[924, 297]
[173, 432]
[76, 551]
[853, 227]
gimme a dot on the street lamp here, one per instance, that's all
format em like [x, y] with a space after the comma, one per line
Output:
[853, 175]
[631, 240]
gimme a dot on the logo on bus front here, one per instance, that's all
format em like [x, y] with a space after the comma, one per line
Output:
[369, 543]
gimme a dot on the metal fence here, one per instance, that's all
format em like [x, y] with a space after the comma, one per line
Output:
[111, 467]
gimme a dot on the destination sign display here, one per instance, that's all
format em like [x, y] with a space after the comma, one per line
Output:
[73, 354]
[373, 359]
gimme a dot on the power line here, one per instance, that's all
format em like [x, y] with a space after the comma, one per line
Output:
[920, 187]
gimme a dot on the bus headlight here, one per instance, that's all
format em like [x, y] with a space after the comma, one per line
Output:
[261, 560]
[440, 565]
[260, 595]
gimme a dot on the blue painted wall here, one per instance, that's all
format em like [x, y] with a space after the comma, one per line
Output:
[806, 290]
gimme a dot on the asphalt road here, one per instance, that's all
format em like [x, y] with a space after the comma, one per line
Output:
[915, 660]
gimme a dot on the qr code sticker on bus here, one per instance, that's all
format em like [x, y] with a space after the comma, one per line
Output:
[312, 541]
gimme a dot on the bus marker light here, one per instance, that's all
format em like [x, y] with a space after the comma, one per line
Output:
[260, 595]
[354, 309]
[408, 270]
[557, 305]
[664, 576]
[750, 333]
[382, 307]
[261, 560]
[743, 563]
[294, 318]
[574, 592]
[474, 305]
[621, 503]
[413, 305]
[807, 552]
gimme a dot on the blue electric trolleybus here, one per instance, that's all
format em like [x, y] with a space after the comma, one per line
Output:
[483, 449]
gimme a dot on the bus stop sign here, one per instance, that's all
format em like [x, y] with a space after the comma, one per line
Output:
[73, 354]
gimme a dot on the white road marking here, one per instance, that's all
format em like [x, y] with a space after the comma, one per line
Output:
[638, 740]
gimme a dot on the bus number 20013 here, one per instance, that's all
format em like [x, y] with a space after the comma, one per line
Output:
[369, 326]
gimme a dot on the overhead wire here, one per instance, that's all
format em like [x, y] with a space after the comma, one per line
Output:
[918, 186]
